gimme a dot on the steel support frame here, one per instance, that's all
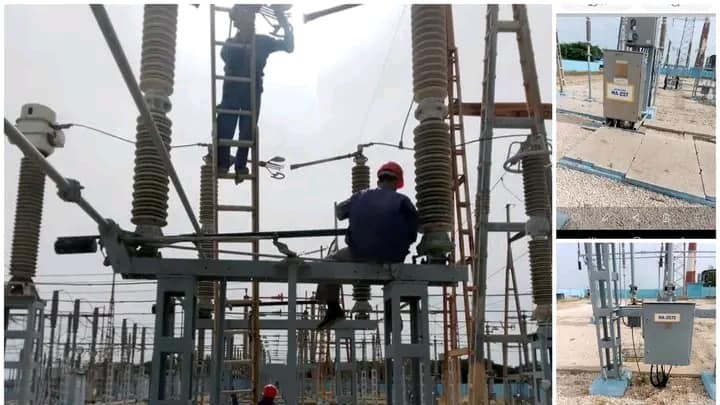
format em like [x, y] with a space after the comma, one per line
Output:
[346, 372]
[603, 295]
[167, 344]
[29, 367]
[417, 351]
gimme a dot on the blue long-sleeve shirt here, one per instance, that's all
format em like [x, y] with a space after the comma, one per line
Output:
[237, 60]
[383, 225]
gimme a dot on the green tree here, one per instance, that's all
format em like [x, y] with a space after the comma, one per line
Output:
[578, 51]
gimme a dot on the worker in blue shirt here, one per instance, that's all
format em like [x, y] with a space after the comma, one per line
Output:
[236, 95]
[383, 225]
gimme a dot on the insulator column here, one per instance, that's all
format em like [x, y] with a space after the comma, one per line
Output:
[535, 161]
[207, 222]
[361, 292]
[28, 217]
[37, 123]
[432, 136]
[157, 71]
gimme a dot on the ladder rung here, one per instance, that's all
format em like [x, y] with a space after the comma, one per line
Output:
[231, 176]
[231, 44]
[463, 204]
[236, 361]
[459, 152]
[233, 142]
[233, 78]
[508, 26]
[465, 231]
[236, 391]
[513, 122]
[457, 127]
[236, 112]
[236, 208]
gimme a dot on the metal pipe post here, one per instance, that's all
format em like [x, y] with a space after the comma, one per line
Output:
[589, 56]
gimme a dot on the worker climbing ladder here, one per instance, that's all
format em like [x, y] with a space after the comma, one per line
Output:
[533, 162]
[253, 208]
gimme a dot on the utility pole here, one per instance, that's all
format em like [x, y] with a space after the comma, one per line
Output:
[93, 353]
[75, 358]
[589, 57]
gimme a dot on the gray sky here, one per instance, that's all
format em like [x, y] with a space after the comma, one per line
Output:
[604, 32]
[348, 82]
[646, 264]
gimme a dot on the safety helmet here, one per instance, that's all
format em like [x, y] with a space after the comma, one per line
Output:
[269, 391]
[393, 169]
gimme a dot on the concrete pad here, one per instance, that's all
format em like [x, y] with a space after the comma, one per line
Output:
[608, 148]
[611, 387]
[667, 163]
[706, 157]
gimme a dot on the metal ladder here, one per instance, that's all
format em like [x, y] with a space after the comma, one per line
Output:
[253, 208]
[558, 61]
[519, 26]
[462, 236]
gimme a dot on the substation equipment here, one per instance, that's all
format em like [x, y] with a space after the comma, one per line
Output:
[186, 286]
[666, 324]
[631, 72]
[23, 305]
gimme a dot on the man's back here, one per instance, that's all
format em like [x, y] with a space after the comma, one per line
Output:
[237, 60]
[383, 225]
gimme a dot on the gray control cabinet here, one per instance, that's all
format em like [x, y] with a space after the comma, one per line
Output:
[624, 85]
[642, 31]
[668, 329]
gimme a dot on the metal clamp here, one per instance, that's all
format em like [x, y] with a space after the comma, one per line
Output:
[72, 192]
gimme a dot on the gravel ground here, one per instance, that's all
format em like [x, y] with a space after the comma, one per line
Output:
[573, 389]
[593, 202]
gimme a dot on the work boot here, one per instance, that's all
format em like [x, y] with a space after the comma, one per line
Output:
[239, 173]
[333, 314]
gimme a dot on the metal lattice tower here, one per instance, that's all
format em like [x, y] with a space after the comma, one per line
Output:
[534, 161]
[602, 274]
[685, 47]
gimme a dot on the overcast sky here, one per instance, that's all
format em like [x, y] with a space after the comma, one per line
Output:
[349, 81]
[604, 32]
[646, 263]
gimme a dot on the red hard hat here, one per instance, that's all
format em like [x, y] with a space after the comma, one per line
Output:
[269, 391]
[394, 169]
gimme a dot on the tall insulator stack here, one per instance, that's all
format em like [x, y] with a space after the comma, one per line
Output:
[535, 162]
[207, 221]
[28, 217]
[157, 71]
[37, 123]
[361, 292]
[432, 135]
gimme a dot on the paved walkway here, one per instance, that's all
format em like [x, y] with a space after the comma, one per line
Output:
[681, 167]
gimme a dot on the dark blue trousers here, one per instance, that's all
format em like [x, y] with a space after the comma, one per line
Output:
[235, 96]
